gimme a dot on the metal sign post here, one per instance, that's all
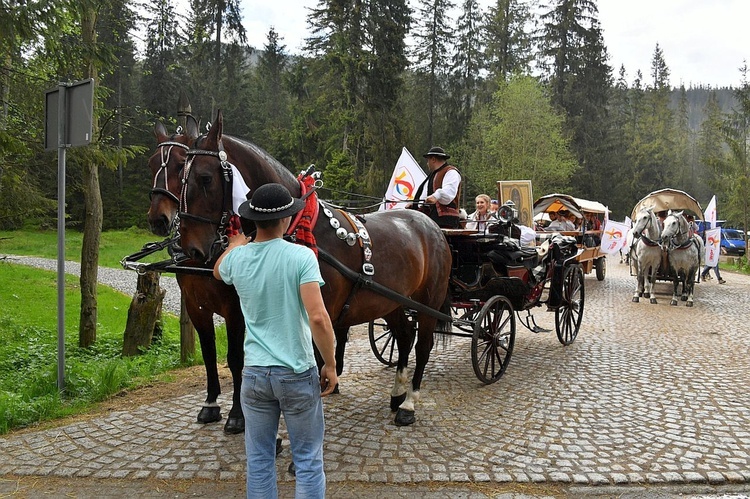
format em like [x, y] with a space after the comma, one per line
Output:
[68, 123]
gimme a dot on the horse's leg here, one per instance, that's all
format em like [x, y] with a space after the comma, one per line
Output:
[425, 341]
[342, 336]
[690, 285]
[652, 284]
[675, 285]
[204, 325]
[404, 333]
[235, 359]
[638, 284]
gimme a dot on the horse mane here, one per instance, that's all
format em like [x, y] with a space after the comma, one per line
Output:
[263, 155]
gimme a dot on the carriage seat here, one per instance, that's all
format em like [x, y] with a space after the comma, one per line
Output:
[510, 253]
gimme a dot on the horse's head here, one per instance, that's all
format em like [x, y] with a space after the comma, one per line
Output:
[166, 169]
[675, 228]
[645, 223]
[206, 196]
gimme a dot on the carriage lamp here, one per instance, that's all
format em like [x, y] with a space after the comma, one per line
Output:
[507, 212]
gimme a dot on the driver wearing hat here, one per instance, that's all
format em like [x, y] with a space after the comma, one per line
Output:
[278, 283]
[440, 191]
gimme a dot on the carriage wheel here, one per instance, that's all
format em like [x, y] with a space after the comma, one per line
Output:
[382, 342]
[601, 268]
[493, 339]
[568, 316]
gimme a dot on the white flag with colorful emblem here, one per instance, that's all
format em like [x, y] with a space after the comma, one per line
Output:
[710, 214]
[613, 237]
[713, 243]
[406, 178]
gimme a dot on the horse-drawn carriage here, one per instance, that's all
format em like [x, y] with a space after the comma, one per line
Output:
[369, 272]
[664, 246]
[492, 280]
[587, 237]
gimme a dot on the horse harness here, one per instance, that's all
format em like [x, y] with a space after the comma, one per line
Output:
[222, 240]
[165, 151]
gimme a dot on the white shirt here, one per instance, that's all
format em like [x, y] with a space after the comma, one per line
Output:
[474, 222]
[448, 191]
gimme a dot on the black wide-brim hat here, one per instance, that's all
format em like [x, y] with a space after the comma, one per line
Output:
[270, 202]
[436, 151]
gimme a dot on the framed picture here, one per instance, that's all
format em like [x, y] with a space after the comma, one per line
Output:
[518, 191]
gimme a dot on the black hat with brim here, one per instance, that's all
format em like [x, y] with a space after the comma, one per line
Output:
[270, 202]
[437, 152]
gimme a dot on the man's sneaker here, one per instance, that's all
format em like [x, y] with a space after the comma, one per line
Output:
[703, 278]
[722, 281]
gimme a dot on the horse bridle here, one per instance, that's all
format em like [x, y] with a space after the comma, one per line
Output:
[221, 241]
[165, 151]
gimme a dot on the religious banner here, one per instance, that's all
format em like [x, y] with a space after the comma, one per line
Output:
[407, 176]
[713, 243]
[613, 237]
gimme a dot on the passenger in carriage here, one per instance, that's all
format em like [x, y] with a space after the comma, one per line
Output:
[438, 195]
[561, 223]
[478, 220]
[592, 223]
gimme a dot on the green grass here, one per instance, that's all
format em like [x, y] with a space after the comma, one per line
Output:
[113, 245]
[28, 334]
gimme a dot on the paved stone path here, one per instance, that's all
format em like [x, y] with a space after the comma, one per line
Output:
[647, 395]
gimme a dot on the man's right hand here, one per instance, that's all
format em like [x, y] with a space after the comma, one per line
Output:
[328, 380]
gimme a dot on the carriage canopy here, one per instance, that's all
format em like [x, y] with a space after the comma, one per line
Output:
[557, 202]
[669, 199]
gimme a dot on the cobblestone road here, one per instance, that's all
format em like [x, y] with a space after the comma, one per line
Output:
[647, 395]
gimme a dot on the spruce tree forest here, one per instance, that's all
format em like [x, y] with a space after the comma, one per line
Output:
[522, 90]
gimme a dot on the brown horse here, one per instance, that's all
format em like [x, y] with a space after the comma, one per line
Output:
[410, 254]
[204, 296]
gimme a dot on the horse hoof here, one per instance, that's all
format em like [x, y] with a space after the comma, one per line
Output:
[405, 418]
[279, 448]
[636, 299]
[209, 415]
[397, 401]
[292, 469]
[673, 303]
[689, 304]
[653, 301]
[234, 425]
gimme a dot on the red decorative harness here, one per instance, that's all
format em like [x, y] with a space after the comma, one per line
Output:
[305, 220]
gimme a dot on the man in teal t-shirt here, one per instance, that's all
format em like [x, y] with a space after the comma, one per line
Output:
[278, 283]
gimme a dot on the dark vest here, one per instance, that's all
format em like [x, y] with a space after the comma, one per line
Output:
[446, 215]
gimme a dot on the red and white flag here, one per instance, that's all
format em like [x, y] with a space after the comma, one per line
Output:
[406, 178]
[613, 237]
[710, 214]
[713, 243]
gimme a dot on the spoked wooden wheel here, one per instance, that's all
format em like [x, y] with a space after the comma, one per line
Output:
[568, 316]
[493, 339]
[382, 342]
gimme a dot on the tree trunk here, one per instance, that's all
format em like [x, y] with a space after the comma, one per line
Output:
[92, 227]
[143, 315]
[187, 334]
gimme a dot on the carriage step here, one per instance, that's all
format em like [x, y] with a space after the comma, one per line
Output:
[538, 329]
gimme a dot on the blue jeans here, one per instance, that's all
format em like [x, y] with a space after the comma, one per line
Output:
[267, 392]
[706, 269]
